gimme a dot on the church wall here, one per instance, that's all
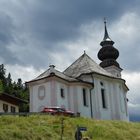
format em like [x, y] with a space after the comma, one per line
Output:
[73, 98]
[114, 100]
[123, 104]
[62, 100]
[87, 78]
[94, 104]
[115, 97]
[96, 99]
[38, 102]
[102, 113]
[114, 71]
[84, 110]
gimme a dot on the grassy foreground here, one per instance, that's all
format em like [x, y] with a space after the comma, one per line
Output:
[45, 127]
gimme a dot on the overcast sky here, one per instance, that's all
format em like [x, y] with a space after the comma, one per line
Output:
[37, 33]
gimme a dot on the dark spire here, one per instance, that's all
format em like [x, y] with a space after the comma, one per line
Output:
[108, 54]
[106, 36]
[106, 39]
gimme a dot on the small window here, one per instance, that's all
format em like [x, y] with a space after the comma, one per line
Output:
[101, 83]
[85, 99]
[5, 107]
[13, 109]
[62, 93]
[104, 105]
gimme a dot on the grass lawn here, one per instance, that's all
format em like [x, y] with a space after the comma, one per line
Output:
[45, 127]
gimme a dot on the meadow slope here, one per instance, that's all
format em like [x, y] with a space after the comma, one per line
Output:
[44, 127]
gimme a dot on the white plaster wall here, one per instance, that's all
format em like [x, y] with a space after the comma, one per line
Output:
[96, 100]
[114, 71]
[9, 106]
[114, 99]
[37, 104]
[102, 113]
[74, 98]
[123, 105]
[71, 98]
[84, 110]
[62, 102]
[86, 78]
[106, 112]
[94, 103]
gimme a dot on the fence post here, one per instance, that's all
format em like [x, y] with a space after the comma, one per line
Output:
[62, 128]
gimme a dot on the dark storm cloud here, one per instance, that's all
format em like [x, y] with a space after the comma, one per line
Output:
[41, 25]
[6, 37]
[55, 21]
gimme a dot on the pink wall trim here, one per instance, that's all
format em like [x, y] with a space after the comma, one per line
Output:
[53, 93]
[75, 100]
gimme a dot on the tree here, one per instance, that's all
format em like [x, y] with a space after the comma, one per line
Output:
[9, 85]
[1, 87]
[2, 75]
[17, 89]
[19, 83]
[9, 80]
[2, 71]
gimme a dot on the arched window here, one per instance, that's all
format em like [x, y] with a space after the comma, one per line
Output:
[103, 96]
[62, 93]
[85, 97]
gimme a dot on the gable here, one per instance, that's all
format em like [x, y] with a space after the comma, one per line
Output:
[84, 65]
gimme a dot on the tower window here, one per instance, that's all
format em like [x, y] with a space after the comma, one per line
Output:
[62, 93]
[85, 98]
[104, 105]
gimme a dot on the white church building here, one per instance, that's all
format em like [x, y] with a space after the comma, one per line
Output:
[86, 88]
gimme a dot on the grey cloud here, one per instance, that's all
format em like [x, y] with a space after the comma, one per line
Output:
[47, 23]
[6, 37]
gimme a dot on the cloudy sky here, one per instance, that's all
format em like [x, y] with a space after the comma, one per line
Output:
[37, 33]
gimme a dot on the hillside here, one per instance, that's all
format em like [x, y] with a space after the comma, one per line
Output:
[45, 127]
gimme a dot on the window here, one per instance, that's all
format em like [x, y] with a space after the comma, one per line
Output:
[13, 109]
[5, 107]
[104, 105]
[85, 99]
[101, 83]
[62, 93]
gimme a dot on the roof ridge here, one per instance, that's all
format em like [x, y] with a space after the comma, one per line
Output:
[87, 61]
[74, 62]
[42, 73]
[84, 64]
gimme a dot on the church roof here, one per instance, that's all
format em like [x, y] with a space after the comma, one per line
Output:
[52, 71]
[85, 65]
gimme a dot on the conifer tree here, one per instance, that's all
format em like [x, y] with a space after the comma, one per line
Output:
[2, 75]
[9, 85]
[1, 87]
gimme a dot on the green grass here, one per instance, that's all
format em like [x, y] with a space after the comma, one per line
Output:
[46, 127]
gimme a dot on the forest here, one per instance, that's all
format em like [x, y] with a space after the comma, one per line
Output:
[17, 89]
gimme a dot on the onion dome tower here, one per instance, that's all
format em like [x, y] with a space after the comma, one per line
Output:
[108, 55]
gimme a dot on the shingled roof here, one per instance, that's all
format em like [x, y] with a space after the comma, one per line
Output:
[53, 71]
[84, 65]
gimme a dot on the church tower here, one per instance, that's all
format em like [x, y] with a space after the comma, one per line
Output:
[108, 55]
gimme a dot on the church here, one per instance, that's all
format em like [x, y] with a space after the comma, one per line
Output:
[89, 89]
